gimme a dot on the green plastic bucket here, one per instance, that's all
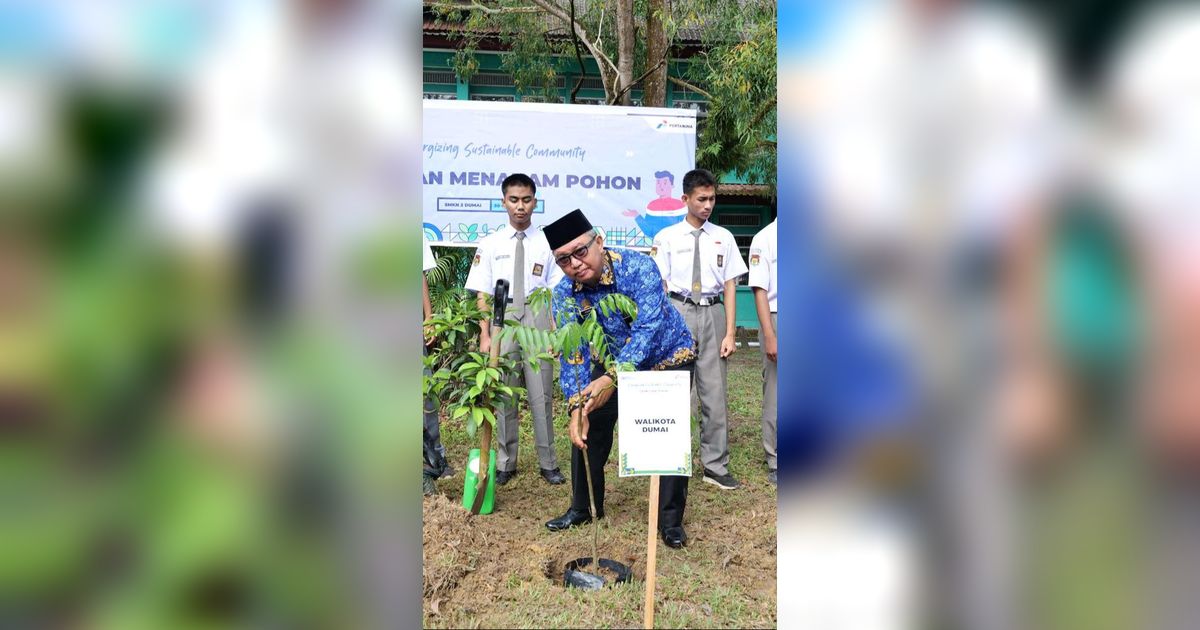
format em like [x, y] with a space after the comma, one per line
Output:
[472, 478]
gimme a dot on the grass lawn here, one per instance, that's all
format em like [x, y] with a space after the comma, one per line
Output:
[504, 570]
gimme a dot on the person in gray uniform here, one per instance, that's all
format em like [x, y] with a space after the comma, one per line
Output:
[764, 277]
[521, 256]
[700, 264]
[436, 465]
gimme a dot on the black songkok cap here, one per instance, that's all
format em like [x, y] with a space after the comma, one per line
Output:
[567, 228]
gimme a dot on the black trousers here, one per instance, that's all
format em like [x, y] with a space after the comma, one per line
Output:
[672, 490]
[431, 436]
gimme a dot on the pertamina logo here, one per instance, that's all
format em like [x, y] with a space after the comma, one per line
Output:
[672, 125]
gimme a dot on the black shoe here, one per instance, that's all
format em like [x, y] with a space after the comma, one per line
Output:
[503, 476]
[447, 471]
[674, 537]
[724, 482]
[572, 518]
[428, 488]
[553, 477]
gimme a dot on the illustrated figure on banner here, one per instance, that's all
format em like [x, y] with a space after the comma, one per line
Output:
[664, 210]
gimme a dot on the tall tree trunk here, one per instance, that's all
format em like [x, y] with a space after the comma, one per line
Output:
[654, 90]
[625, 48]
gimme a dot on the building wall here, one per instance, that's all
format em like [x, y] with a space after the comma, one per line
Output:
[491, 82]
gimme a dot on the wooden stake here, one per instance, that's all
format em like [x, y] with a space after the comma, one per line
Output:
[587, 470]
[651, 552]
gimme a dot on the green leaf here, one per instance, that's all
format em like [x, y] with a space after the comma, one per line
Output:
[522, 337]
[533, 340]
[573, 340]
[460, 412]
[477, 415]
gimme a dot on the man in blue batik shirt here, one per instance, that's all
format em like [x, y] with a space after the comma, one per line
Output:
[656, 339]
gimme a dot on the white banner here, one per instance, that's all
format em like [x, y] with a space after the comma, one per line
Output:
[623, 166]
[653, 421]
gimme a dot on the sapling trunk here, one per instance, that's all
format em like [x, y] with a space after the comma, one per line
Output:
[485, 439]
[499, 300]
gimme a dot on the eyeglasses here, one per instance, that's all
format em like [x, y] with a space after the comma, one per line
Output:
[579, 253]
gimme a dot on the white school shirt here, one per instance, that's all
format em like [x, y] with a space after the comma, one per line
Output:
[719, 258]
[427, 260]
[1151, 169]
[494, 260]
[763, 256]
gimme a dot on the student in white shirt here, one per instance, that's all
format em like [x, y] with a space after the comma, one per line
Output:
[518, 247]
[435, 454]
[764, 277]
[700, 265]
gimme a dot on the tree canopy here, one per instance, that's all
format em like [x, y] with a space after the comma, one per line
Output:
[729, 49]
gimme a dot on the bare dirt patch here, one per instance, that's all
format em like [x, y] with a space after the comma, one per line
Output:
[505, 569]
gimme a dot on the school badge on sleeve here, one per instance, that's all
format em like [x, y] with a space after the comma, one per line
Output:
[720, 260]
[475, 263]
[754, 259]
[537, 269]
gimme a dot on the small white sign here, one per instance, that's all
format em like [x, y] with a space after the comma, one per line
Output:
[654, 428]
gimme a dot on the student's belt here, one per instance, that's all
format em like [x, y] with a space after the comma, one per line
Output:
[703, 301]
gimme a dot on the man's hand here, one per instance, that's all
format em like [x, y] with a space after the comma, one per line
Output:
[427, 334]
[770, 347]
[728, 346]
[578, 429]
[597, 393]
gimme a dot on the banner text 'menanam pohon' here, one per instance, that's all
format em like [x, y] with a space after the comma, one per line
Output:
[623, 166]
